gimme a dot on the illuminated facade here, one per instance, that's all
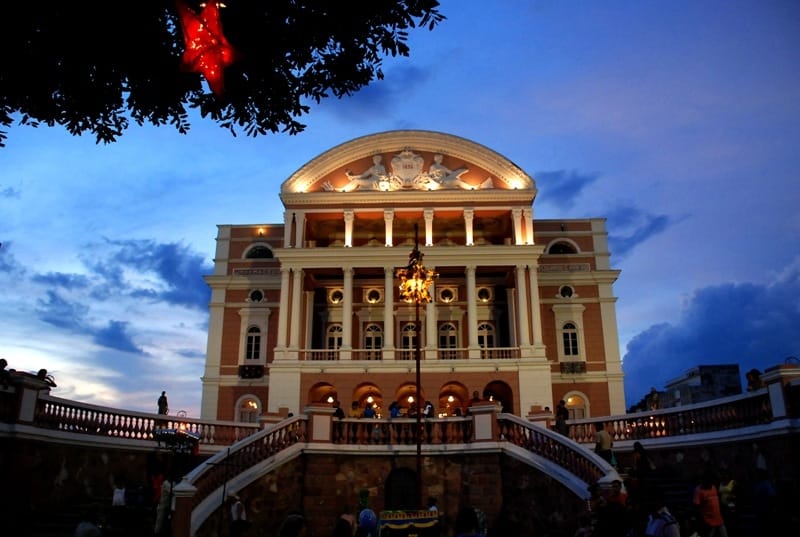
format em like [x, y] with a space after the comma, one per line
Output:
[308, 310]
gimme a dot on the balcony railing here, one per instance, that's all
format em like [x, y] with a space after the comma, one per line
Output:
[753, 408]
[572, 368]
[400, 354]
[251, 371]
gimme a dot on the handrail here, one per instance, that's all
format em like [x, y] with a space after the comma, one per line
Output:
[210, 476]
[71, 416]
[751, 408]
[241, 463]
[553, 447]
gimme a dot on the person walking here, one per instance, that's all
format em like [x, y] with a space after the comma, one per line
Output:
[163, 406]
[239, 522]
[706, 501]
[562, 415]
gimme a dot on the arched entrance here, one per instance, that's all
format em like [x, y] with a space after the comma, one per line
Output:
[498, 390]
[401, 490]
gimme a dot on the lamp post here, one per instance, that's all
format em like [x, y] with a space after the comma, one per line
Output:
[415, 283]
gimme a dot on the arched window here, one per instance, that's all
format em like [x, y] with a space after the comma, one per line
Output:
[576, 404]
[373, 341]
[259, 251]
[486, 335]
[562, 247]
[253, 350]
[334, 339]
[408, 338]
[486, 339]
[448, 341]
[570, 338]
[248, 409]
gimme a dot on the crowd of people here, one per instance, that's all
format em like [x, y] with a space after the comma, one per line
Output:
[641, 507]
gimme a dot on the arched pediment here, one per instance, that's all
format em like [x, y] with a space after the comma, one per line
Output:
[407, 161]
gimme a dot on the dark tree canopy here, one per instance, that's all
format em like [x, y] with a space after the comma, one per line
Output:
[96, 66]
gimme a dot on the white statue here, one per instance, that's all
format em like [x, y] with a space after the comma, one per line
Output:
[446, 177]
[369, 179]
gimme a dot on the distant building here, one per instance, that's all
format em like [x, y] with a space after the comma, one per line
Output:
[307, 311]
[702, 383]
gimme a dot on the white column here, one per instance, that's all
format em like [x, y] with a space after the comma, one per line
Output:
[296, 309]
[388, 308]
[349, 216]
[388, 217]
[472, 308]
[299, 228]
[287, 229]
[469, 216]
[516, 213]
[428, 213]
[284, 312]
[430, 323]
[536, 311]
[347, 309]
[522, 308]
[527, 214]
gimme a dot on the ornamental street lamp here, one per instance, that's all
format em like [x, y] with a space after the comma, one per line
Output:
[415, 283]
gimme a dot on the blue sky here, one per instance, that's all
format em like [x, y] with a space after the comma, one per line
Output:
[678, 121]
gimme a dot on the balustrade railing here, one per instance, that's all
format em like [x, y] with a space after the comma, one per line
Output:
[210, 476]
[69, 416]
[746, 410]
[402, 431]
[461, 353]
[500, 353]
[549, 446]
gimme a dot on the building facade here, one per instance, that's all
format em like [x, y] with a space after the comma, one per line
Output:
[307, 311]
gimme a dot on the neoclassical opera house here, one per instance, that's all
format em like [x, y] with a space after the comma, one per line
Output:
[308, 311]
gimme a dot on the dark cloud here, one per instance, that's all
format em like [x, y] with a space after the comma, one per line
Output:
[629, 226]
[380, 96]
[9, 193]
[8, 263]
[561, 188]
[118, 270]
[115, 336]
[60, 279]
[61, 312]
[748, 324]
[180, 271]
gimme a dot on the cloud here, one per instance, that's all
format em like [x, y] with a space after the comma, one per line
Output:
[61, 312]
[10, 192]
[60, 279]
[178, 271]
[380, 96]
[561, 188]
[630, 226]
[749, 324]
[8, 262]
[115, 336]
[121, 279]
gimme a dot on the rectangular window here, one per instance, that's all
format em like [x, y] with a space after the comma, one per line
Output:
[570, 344]
[253, 347]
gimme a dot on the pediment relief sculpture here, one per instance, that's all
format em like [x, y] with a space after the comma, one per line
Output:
[408, 173]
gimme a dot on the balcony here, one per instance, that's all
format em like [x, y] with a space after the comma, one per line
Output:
[572, 368]
[251, 371]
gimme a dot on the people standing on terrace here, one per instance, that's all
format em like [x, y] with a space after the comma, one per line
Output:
[562, 415]
[603, 442]
[163, 405]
